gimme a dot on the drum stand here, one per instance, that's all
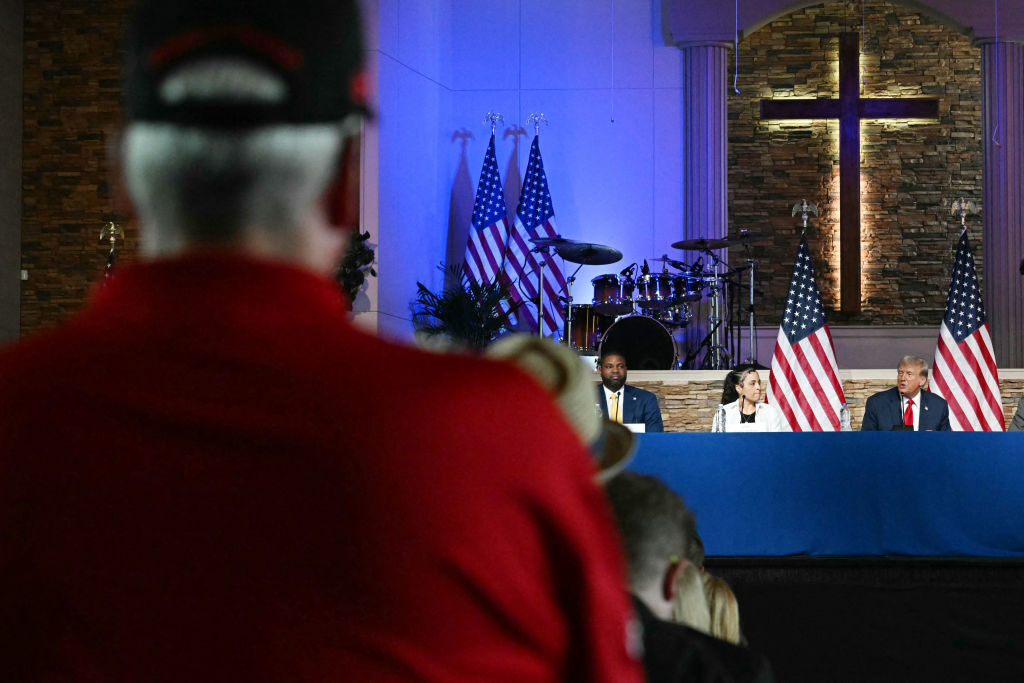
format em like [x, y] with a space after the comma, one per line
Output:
[542, 252]
[582, 253]
[717, 357]
[568, 305]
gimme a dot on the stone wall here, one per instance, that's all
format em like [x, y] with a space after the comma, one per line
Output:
[689, 405]
[910, 171]
[72, 83]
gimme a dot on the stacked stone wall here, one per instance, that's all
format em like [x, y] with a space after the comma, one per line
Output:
[910, 170]
[72, 83]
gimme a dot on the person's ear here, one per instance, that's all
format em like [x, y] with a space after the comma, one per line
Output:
[670, 580]
[341, 198]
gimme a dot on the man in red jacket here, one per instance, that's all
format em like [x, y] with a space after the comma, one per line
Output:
[209, 474]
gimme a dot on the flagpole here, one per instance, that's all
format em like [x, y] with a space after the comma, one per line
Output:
[492, 118]
[109, 235]
[962, 207]
[536, 120]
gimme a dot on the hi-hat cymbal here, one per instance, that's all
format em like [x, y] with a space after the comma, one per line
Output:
[672, 262]
[589, 254]
[701, 244]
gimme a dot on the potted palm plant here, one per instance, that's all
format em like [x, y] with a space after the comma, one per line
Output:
[465, 314]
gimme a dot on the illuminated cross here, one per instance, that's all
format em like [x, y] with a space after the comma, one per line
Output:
[850, 108]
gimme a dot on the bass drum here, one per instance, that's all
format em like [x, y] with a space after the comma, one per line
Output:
[644, 342]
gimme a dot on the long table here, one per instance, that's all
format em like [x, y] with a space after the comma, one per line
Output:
[858, 493]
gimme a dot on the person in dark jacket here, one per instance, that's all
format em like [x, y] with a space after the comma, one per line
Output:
[657, 530]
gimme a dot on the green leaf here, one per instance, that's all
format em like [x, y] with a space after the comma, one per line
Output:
[465, 312]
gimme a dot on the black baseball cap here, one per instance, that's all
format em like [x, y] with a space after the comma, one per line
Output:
[315, 46]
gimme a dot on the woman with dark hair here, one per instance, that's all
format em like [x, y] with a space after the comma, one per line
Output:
[743, 411]
[729, 393]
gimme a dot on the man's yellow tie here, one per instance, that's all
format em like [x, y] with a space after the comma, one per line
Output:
[616, 412]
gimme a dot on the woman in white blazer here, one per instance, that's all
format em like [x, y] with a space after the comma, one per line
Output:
[743, 412]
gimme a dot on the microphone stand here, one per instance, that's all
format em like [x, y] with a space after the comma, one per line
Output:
[751, 355]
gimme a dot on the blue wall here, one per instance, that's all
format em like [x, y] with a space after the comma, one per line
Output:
[444, 64]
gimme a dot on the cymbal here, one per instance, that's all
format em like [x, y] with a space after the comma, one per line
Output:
[701, 244]
[588, 254]
[672, 262]
[547, 242]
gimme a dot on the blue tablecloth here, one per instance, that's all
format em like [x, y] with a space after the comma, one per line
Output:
[858, 493]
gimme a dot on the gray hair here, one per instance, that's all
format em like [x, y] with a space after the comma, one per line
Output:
[914, 360]
[211, 185]
[655, 524]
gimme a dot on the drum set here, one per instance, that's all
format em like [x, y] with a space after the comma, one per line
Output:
[641, 312]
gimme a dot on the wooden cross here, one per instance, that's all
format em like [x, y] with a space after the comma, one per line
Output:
[850, 108]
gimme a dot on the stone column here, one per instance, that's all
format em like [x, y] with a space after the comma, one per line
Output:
[1002, 83]
[705, 160]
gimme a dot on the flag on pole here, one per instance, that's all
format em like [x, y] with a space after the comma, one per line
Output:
[804, 382]
[488, 234]
[965, 372]
[535, 217]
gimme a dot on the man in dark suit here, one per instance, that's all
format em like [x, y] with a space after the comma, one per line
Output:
[621, 402]
[658, 533]
[907, 405]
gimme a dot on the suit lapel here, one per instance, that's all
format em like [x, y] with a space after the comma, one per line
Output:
[897, 406]
[922, 425]
[627, 405]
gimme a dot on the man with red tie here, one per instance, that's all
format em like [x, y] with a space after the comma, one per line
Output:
[907, 406]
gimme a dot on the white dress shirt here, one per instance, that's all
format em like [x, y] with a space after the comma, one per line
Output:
[767, 418]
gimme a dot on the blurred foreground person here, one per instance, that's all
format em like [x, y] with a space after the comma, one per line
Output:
[657, 529]
[210, 475]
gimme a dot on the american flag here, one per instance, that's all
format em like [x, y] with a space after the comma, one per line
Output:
[965, 371]
[804, 382]
[535, 217]
[488, 235]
